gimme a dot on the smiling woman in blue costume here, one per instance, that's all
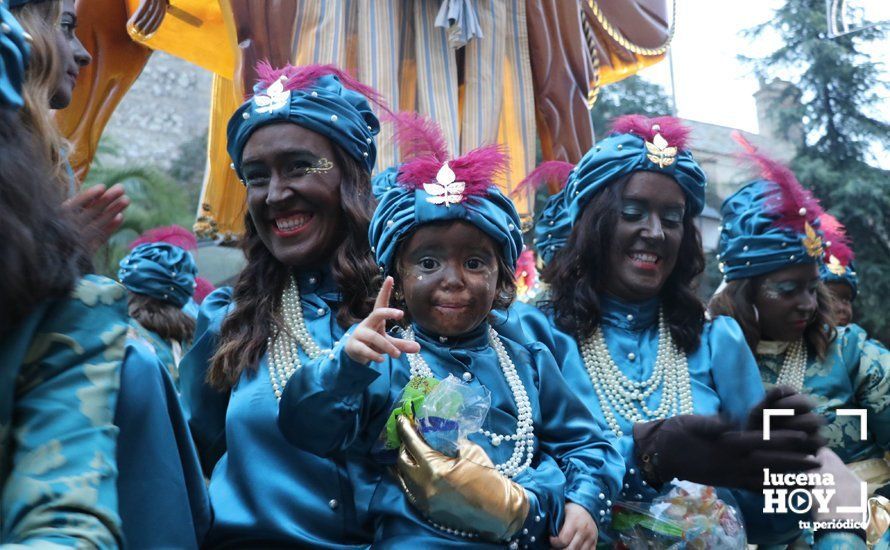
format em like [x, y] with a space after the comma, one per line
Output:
[304, 147]
[771, 249]
[451, 241]
[62, 339]
[622, 252]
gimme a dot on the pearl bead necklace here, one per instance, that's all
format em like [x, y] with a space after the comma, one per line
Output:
[618, 393]
[794, 366]
[524, 438]
[284, 357]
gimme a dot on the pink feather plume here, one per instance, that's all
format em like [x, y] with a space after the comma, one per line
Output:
[526, 264]
[670, 128]
[836, 234]
[302, 77]
[793, 198]
[549, 172]
[418, 136]
[424, 151]
[203, 287]
[172, 234]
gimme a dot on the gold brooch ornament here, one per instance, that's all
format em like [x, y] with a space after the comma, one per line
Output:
[321, 166]
[445, 190]
[812, 241]
[835, 266]
[659, 152]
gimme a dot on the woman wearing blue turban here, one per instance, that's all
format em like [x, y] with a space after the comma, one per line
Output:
[772, 246]
[62, 339]
[304, 147]
[622, 252]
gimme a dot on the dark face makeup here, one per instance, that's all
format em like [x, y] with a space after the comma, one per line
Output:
[449, 277]
[293, 193]
[786, 302]
[72, 56]
[843, 302]
[647, 237]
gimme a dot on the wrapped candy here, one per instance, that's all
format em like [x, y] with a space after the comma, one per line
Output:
[443, 412]
[686, 516]
[452, 411]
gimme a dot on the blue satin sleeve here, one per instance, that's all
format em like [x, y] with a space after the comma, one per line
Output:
[569, 433]
[733, 368]
[331, 404]
[869, 362]
[204, 406]
[160, 480]
[59, 382]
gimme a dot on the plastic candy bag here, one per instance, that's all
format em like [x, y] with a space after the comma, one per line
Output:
[452, 411]
[687, 516]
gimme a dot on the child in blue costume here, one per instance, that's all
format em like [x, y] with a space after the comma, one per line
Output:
[160, 278]
[771, 249]
[451, 239]
[61, 344]
[304, 147]
[622, 251]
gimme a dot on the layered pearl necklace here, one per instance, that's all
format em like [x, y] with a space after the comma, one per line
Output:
[284, 357]
[618, 393]
[794, 367]
[524, 438]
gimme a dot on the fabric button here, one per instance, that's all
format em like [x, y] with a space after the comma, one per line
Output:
[333, 504]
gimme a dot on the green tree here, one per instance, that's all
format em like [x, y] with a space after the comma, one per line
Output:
[633, 95]
[841, 88]
[156, 200]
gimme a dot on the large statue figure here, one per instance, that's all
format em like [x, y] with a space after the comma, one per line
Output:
[489, 71]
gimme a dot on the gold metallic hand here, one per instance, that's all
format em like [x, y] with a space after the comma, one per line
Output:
[464, 493]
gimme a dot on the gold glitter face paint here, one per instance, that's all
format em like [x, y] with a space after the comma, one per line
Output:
[321, 166]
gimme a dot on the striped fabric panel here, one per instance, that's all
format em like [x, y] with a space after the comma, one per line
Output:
[378, 25]
[483, 76]
[437, 94]
[320, 35]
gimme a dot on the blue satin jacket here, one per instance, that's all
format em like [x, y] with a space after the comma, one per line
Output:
[723, 379]
[854, 375]
[161, 490]
[59, 379]
[264, 491]
[335, 404]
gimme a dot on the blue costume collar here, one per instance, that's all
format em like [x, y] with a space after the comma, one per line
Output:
[632, 316]
[475, 339]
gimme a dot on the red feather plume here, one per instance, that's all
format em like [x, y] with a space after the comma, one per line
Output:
[299, 78]
[424, 151]
[836, 234]
[670, 128]
[551, 171]
[793, 198]
[172, 234]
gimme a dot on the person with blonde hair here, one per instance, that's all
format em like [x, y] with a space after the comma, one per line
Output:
[56, 59]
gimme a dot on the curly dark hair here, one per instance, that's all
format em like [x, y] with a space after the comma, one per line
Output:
[164, 319]
[42, 252]
[257, 292]
[577, 273]
[736, 300]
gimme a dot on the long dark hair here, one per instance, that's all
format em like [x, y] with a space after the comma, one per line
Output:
[577, 273]
[257, 292]
[736, 300]
[42, 253]
[164, 319]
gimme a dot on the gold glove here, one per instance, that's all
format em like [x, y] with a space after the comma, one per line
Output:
[878, 519]
[464, 493]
